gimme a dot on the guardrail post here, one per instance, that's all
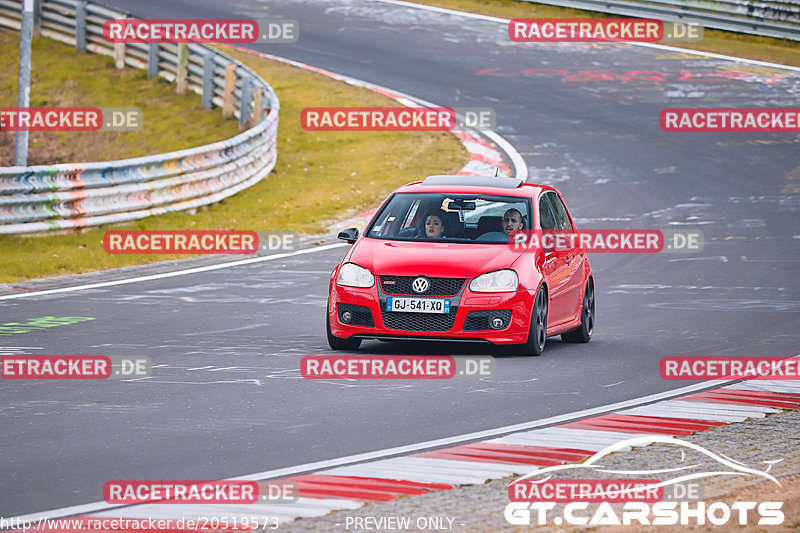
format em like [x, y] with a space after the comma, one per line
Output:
[244, 101]
[208, 80]
[266, 104]
[183, 62]
[80, 26]
[230, 85]
[37, 17]
[24, 79]
[119, 53]
[152, 60]
[258, 106]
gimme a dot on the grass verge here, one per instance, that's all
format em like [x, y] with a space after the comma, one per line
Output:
[63, 77]
[319, 176]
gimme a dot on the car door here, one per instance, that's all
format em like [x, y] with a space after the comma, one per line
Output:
[573, 258]
[554, 265]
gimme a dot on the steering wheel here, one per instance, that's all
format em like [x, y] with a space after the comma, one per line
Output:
[407, 232]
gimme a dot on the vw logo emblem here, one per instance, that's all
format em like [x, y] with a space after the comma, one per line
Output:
[420, 285]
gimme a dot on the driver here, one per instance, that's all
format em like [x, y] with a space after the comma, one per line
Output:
[512, 221]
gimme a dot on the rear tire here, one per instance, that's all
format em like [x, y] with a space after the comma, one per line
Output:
[537, 336]
[338, 343]
[584, 332]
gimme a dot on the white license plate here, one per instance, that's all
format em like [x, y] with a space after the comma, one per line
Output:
[418, 305]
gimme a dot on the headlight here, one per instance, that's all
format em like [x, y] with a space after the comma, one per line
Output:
[497, 281]
[352, 275]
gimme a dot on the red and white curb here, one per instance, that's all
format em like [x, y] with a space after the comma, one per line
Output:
[350, 487]
[485, 158]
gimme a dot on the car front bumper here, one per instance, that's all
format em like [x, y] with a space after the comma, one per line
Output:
[470, 316]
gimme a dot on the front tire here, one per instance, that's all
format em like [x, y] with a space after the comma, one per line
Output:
[584, 332]
[537, 336]
[338, 343]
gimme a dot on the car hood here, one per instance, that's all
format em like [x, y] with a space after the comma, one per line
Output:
[412, 258]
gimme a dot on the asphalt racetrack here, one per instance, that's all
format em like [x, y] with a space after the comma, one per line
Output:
[227, 399]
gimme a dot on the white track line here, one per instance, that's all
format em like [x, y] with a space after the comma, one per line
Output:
[662, 411]
[520, 167]
[389, 452]
[520, 171]
[648, 45]
[574, 435]
[173, 274]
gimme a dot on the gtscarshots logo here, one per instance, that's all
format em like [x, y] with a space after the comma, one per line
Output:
[643, 501]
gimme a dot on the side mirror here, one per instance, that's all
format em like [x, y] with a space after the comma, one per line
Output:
[350, 235]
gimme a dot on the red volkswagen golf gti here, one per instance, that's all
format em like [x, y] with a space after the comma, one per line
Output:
[436, 262]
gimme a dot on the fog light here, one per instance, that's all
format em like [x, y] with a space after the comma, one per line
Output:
[497, 322]
[346, 317]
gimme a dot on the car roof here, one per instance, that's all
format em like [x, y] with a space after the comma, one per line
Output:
[474, 185]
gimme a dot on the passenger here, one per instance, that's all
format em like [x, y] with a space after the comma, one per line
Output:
[434, 227]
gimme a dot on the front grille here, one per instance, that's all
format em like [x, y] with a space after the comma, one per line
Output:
[479, 320]
[439, 286]
[362, 316]
[419, 321]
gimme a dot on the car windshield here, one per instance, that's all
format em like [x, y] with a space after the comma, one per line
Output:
[451, 217]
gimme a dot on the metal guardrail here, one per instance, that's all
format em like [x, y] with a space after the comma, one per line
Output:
[75, 195]
[779, 18]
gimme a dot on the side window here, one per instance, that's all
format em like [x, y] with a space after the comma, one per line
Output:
[547, 220]
[388, 224]
[560, 211]
[409, 221]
